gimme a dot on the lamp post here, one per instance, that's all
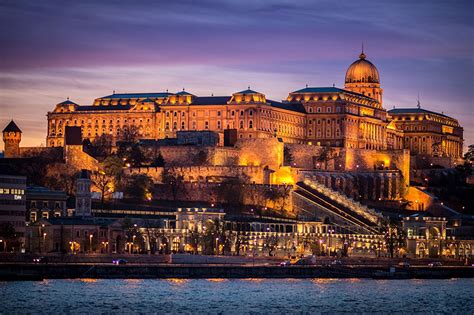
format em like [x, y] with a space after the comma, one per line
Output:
[44, 240]
[217, 246]
[329, 241]
[133, 240]
[4, 243]
[90, 242]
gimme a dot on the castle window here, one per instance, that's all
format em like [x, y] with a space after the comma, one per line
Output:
[310, 122]
[175, 114]
[232, 113]
[250, 124]
[194, 114]
[218, 124]
[167, 126]
[328, 109]
[167, 114]
[241, 124]
[218, 113]
[251, 113]
[194, 125]
[182, 114]
[175, 125]
[206, 124]
[310, 109]
[182, 125]
[241, 113]
[319, 122]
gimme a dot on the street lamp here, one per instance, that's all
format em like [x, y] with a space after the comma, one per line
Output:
[4, 245]
[217, 246]
[133, 240]
[90, 242]
[329, 241]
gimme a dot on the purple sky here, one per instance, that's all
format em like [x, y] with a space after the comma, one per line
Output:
[86, 49]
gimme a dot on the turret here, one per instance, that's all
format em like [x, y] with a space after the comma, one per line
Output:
[12, 138]
[83, 195]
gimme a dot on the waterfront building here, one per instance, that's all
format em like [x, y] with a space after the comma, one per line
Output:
[75, 235]
[437, 236]
[12, 209]
[42, 202]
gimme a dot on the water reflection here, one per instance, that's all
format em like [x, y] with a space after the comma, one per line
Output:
[237, 296]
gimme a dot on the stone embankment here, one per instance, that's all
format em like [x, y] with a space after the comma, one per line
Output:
[22, 271]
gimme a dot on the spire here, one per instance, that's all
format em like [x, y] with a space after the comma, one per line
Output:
[418, 101]
[362, 55]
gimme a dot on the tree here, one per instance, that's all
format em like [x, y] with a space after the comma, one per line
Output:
[60, 176]
[174, 180]
[215, 234]
[394, 237]
[8, 234]
[288, 156]
[201, 158]
[326, 154]
[100, 147]
[231, 191]
[194, 239]
[469, 155]
[139, 186]
[107, 176]
[158, 161]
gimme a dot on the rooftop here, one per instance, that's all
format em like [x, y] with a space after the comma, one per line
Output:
[11, 127]
[414, 110]
[138, 95]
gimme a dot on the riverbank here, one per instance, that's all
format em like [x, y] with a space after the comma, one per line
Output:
[108, 271]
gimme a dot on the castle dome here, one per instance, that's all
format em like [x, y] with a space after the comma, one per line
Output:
[362, 71]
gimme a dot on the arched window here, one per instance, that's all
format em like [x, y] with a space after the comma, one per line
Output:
[250, 124]
[241, 124]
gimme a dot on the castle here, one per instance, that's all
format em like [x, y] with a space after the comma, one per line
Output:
[352, 117]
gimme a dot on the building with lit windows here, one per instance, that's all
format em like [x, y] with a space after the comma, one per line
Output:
[352, 117]
[429, 134]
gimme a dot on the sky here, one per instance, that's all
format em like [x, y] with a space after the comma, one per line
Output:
[54, 49]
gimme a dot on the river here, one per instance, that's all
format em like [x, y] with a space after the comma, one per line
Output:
[237, 296]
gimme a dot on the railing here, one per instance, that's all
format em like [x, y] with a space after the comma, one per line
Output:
[353, 205]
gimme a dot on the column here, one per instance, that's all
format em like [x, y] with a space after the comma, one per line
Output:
[388, 182]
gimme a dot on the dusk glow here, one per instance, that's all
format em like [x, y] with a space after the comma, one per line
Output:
[86, 49]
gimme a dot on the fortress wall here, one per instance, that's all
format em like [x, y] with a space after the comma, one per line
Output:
[260, 152]
[253, 174]
[186, 155]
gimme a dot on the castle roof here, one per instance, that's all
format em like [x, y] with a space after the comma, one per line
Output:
[320, 90]
[414, 111]
[211, 100]
[67, 102]
[12, 127]
[293, 106]
[138, 95]
[248, 91]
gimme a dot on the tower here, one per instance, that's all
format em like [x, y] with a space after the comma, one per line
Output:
[12, 138]
[83, 195]
[363, 77]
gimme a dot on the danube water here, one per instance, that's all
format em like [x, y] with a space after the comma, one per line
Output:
[238, 296]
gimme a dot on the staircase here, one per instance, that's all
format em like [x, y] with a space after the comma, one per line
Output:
[340, 205]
